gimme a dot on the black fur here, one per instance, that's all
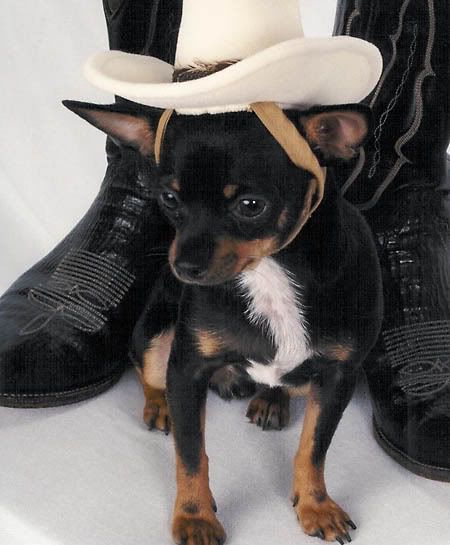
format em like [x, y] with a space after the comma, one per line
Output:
[333, 259]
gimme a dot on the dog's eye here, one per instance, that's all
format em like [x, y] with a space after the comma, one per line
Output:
[169, 200]
[249, 207]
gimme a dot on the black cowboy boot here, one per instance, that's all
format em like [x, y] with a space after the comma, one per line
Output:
[401, 183]
[65, 323]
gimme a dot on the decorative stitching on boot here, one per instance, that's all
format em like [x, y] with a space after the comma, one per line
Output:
[421, 355]
[394, 40]
[63, 393]
[418, 99]
[391, 105]
[353, 15]
[83, 286]
[383, 118]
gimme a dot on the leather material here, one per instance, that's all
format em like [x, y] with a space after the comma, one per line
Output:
[401, 182]
[65, 324]
[411, 102]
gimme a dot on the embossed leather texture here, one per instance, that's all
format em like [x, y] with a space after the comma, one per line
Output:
[401, 182]
[65, 323]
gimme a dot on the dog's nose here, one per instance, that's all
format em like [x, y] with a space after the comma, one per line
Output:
[190, 271]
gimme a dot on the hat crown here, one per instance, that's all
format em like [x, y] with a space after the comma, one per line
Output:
[219, 30]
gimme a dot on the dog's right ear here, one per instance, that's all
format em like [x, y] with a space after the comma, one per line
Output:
[124, 126]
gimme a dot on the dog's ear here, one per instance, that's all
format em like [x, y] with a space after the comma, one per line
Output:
[125, 126]
[336, 132]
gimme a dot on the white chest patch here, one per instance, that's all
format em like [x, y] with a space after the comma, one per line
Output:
[274, 299]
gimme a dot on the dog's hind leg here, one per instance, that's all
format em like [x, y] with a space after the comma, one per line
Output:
[153, 379]
[151, 346]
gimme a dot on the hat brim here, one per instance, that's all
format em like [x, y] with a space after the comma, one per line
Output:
[297, 73]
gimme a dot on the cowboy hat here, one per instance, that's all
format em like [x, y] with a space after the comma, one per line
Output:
[241, 52]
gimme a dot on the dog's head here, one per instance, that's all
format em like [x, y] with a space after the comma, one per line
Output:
[227, 186]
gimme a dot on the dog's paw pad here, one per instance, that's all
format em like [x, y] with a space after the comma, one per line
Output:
[198, 531]
[325, 520]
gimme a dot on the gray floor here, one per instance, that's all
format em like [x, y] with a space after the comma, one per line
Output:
[91, 474]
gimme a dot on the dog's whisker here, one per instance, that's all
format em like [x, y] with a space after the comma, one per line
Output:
[157, 254]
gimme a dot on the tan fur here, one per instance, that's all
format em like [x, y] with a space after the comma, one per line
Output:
[156, 412]
[336, 134]
[315, 509]
[339, 352]
[299, 391]
[175, 185]
[194, 506]
[156, 358]
[209, 343]
[233, 256]
[230, 190]
[282, 219]
[173, 251]
[306, 476]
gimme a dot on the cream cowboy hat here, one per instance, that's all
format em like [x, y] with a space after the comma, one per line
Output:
[261, 54]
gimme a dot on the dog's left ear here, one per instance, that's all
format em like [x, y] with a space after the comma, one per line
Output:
[124, 125]
[336, 132]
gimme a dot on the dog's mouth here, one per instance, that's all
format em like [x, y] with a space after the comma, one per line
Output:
[230, 258]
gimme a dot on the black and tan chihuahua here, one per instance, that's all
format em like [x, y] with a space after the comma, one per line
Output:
[256, 284]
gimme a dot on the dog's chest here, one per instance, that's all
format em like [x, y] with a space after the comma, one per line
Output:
[274, 301]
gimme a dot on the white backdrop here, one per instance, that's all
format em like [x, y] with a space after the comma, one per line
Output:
[51, 163]
[90, 474]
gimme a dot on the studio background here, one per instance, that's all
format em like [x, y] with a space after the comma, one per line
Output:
[91, 474]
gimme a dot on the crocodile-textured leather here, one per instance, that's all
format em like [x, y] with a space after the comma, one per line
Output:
[65, 323]
[401, 182]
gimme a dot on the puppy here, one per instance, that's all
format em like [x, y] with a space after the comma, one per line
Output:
[256, 285]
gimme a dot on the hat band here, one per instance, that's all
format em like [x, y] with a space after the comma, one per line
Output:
[293, 143]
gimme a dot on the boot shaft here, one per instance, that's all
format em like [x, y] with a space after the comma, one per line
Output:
[411, 102]
[147, 27]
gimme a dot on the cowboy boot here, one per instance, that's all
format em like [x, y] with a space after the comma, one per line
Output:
[65, 323]
[401, 182]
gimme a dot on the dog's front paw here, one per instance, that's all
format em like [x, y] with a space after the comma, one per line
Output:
[198, 531]
[269, 409]
[324, 519]
[156, 414]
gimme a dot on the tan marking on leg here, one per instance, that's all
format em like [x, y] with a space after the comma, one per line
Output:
[156, 411]
[209, 343]
[339, 352]
[230, 190]
[307, 477]
[299, 391]
[153, 379]
[316, 511]
[156, 358]
[194, 520]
